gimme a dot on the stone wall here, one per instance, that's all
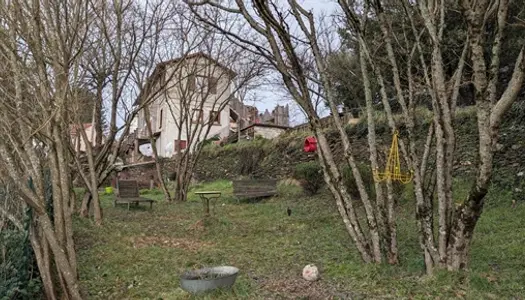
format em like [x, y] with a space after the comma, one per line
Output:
[268, 132]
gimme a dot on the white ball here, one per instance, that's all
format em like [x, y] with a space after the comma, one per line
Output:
[310, 273]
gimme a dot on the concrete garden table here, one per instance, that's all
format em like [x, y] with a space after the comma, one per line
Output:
[206, 196]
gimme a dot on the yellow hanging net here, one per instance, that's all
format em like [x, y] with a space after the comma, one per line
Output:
[393, 166]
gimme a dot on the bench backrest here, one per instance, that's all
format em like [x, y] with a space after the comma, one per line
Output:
[255, 188]
[128, 188]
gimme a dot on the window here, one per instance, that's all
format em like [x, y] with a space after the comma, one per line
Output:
[196, 116]
[160, 119]
[180, 145]
[203, 84]
[212, 85]
[215, 117]
[191, 82]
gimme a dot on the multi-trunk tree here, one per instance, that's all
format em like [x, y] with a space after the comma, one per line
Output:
[426, 52]
[122, 45]
[406, 51]
[40, 56]
[265, 29]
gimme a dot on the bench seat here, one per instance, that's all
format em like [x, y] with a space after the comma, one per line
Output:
[128, 193]
[255, 188]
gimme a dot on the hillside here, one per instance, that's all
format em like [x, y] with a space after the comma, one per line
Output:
[277, 158]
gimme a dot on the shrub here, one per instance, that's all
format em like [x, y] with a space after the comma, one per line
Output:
[368, 180]
[310, 176]
[108, 190]
[366, 175]
[19, 278]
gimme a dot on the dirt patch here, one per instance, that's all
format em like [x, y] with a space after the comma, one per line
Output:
[168, 242]
[298, 288]
[198, 226]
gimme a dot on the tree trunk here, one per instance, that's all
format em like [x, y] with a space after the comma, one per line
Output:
[381, 215]
[365, 199]
[98, 116]
[462, 231]
[93, 186]
[97, 210]
[41, 250]
[58, 211]
[334, 181]
[158, 167]
[86, 202]
[392, 252]
[61, 260]
[65, 181]
[181, 189]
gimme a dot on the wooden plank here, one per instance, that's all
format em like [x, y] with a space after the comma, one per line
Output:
[254, 188]
[254, 196]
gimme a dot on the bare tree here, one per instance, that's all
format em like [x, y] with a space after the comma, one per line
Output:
[123, 35]
[192, 91]
[288, 37]
[456, 222]
[41, 55]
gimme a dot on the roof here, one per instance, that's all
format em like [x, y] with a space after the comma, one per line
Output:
[265, 125]
[161, 67]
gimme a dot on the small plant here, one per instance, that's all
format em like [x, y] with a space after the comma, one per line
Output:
[108, 190]
[310, 176]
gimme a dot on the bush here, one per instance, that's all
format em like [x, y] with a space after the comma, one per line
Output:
[310, 176]
[368, 180]
[19, 278]
[18, 271]
[366, 175]
[108, 190]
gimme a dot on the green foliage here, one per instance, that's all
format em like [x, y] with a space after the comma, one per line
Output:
[19, 278]
[209, 142]
[310, 175]
[108, 190]
[366, 175]
[257, 143]
[152, 192]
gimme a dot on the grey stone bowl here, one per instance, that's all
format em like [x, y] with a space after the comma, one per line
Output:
[207, 279]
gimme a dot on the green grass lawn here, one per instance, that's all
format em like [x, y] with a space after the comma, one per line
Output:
[141, 253]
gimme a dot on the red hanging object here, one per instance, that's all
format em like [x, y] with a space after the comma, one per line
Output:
[310, 144]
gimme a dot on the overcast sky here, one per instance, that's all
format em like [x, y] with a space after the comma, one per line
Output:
[268, 98]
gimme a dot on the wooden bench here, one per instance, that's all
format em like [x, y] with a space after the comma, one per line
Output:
[254, 188]
[128, 193]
